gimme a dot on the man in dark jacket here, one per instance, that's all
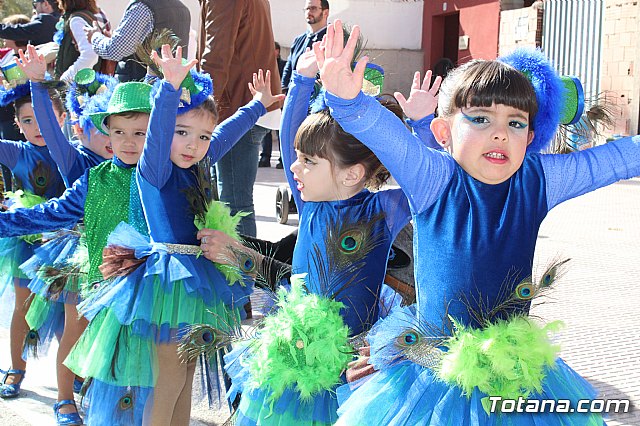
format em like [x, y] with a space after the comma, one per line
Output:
[316, 14]
[40, 29]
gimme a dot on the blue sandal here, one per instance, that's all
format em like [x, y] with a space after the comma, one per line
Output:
[12, 390]
[70, 419]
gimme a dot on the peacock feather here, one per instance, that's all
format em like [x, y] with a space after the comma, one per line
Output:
[154, 41]
[347, 245]
[31, 342]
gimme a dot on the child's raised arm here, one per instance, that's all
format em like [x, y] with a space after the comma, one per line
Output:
[420, 106]
[570, 175]
[229, 132]
[61, 149]
[295, 110]
[155, 162]
[420, 171]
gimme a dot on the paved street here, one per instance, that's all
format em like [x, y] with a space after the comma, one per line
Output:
[597, 299]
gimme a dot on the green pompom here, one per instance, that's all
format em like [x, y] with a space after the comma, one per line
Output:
[304, 345]
[506, 359]
[26, 200]
[219, 217]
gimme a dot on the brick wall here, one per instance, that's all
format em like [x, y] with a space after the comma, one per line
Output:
[620, 61]
[519, 28]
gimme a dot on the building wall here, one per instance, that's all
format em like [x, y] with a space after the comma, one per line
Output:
[479, 20]
[621, 60]
[519, 28]
[392, 29]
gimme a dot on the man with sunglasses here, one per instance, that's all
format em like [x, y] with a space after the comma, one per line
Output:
[40, 29]
[316, 13]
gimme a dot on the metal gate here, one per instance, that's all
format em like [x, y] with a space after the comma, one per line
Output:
[572, 39]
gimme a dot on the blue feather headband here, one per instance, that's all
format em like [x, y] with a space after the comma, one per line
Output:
[556, 100]
[82, 101]
[196, 88]
[11, 95]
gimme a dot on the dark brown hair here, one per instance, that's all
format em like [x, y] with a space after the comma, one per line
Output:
[56, 101]
[208, 106]
[482, 83]
[70, 6]
[320, 135]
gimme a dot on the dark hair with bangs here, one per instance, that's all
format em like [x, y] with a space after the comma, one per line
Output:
[56, 101]
[208, 106]
[320, 135]
[482, 83]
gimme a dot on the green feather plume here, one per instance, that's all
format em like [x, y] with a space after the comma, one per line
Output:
[22, 199]
[218, 216]
[304, 345]
[506, 359]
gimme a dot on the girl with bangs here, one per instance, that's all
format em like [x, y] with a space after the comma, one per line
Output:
[477, 208]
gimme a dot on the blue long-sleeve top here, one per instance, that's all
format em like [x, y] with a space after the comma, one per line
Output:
[162, 184]
[72, 159]
[33, 168]
[57, 213]
[474, 242]
[385, 212]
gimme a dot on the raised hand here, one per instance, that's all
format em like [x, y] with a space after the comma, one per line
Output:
[172, 67]
[334, 61]
[33, 64]
[261, 89]
[423, 99]
[307, 64]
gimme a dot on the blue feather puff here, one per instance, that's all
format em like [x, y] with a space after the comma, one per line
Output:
[93, 103]
[202, 81]
[549, 93]
[13, 94]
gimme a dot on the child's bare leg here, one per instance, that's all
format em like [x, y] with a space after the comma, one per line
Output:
[172, 374]
[18, 332]
[182, 412]
[73, 328]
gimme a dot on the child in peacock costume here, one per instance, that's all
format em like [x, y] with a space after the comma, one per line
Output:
[37, 176]
[288, 374]
[158, 285]
[59, 269]
[476, 219]
[103, 196]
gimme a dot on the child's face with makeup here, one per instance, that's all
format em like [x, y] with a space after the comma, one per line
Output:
[489, 143]
[191, 137]
[96, 141]
[26, 121]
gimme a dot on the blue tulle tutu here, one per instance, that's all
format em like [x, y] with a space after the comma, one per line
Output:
[55, 253]
[125, 405]
[13, 252]
[405, 393]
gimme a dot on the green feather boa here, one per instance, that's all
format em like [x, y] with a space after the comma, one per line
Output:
[506, 359]
[303, 345]
[218, 217]
[26, 200]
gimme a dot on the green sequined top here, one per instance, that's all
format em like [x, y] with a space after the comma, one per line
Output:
[112, 198]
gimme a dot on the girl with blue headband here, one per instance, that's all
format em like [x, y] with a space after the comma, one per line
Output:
[477, 209]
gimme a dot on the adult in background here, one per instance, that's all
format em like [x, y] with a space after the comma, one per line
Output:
[267, 141]
[316, 13]
[39, 30]
[140, 18]
[75, 51]
[236, 39]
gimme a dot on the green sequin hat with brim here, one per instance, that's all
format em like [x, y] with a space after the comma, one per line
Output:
[131, 96]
